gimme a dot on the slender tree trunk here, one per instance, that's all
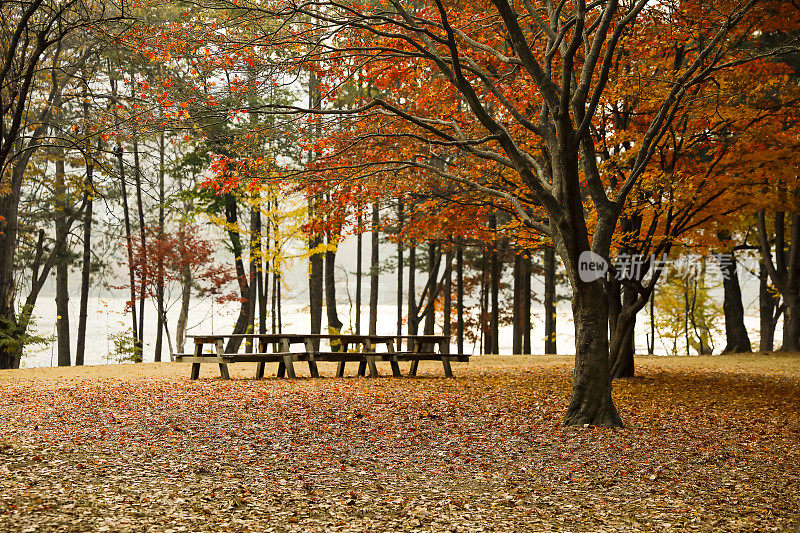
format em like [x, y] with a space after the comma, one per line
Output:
[526, 304]
[549, 300]
[334, 324]
[62, 262]
[137, 175]
[400, 222]
[651, 345]
[315, 279]
[516, 335]
[254, 252]
[448, 299]
[486, 329]
[359, 273]
[129, 245]
[768, 311]
[86, 262]
[622, 347]
[495, 292]
[737, 339]
[263, 272]
[373, 273]
[430, 307]
[242, 321]
[412, 291]
[161, 322]
[460, 300]
[185, 276]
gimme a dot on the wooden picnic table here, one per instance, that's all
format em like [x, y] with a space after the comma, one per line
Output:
[344, 348]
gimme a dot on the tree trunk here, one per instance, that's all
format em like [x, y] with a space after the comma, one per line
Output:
[359, 273]
[448, 299]
[495, 293]
[245, 294]
[486, 330]
[373, 273]
[254, 256]
[137, 175]
[768, 311]
[549, 300]
[161, 321]
[86, 260]
[516, 319]
[9, 209]
[62, 263]
[591, 401]
[399, 274]
[126, 212]
[737, 339]
[460, 300]
[263, 271]
[315, 279]
[430, 307]
[791, 325]
[412, 291]
[622, 322]
[526, 305]
[334, 324]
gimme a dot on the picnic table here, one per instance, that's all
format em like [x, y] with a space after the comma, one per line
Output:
[344, 348]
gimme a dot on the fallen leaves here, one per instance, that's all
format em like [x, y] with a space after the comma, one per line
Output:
[486, 451]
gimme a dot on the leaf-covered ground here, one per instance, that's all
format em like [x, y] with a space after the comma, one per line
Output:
[709, 445]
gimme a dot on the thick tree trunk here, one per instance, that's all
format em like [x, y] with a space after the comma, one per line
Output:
[768, 311]
[549, 300]
[373, 273]
[62, 263]
[9, 208]
[737, 339]
[791, 325]
[591, 401]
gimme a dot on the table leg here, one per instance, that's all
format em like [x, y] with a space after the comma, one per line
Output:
[198, 352]
[223, 367]
[373, 370]
[395, 366]
[281, 346]
[312, 363]
[289, 366]
[362, 368]
[260, 369]
[448, 372]
[413, 370]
